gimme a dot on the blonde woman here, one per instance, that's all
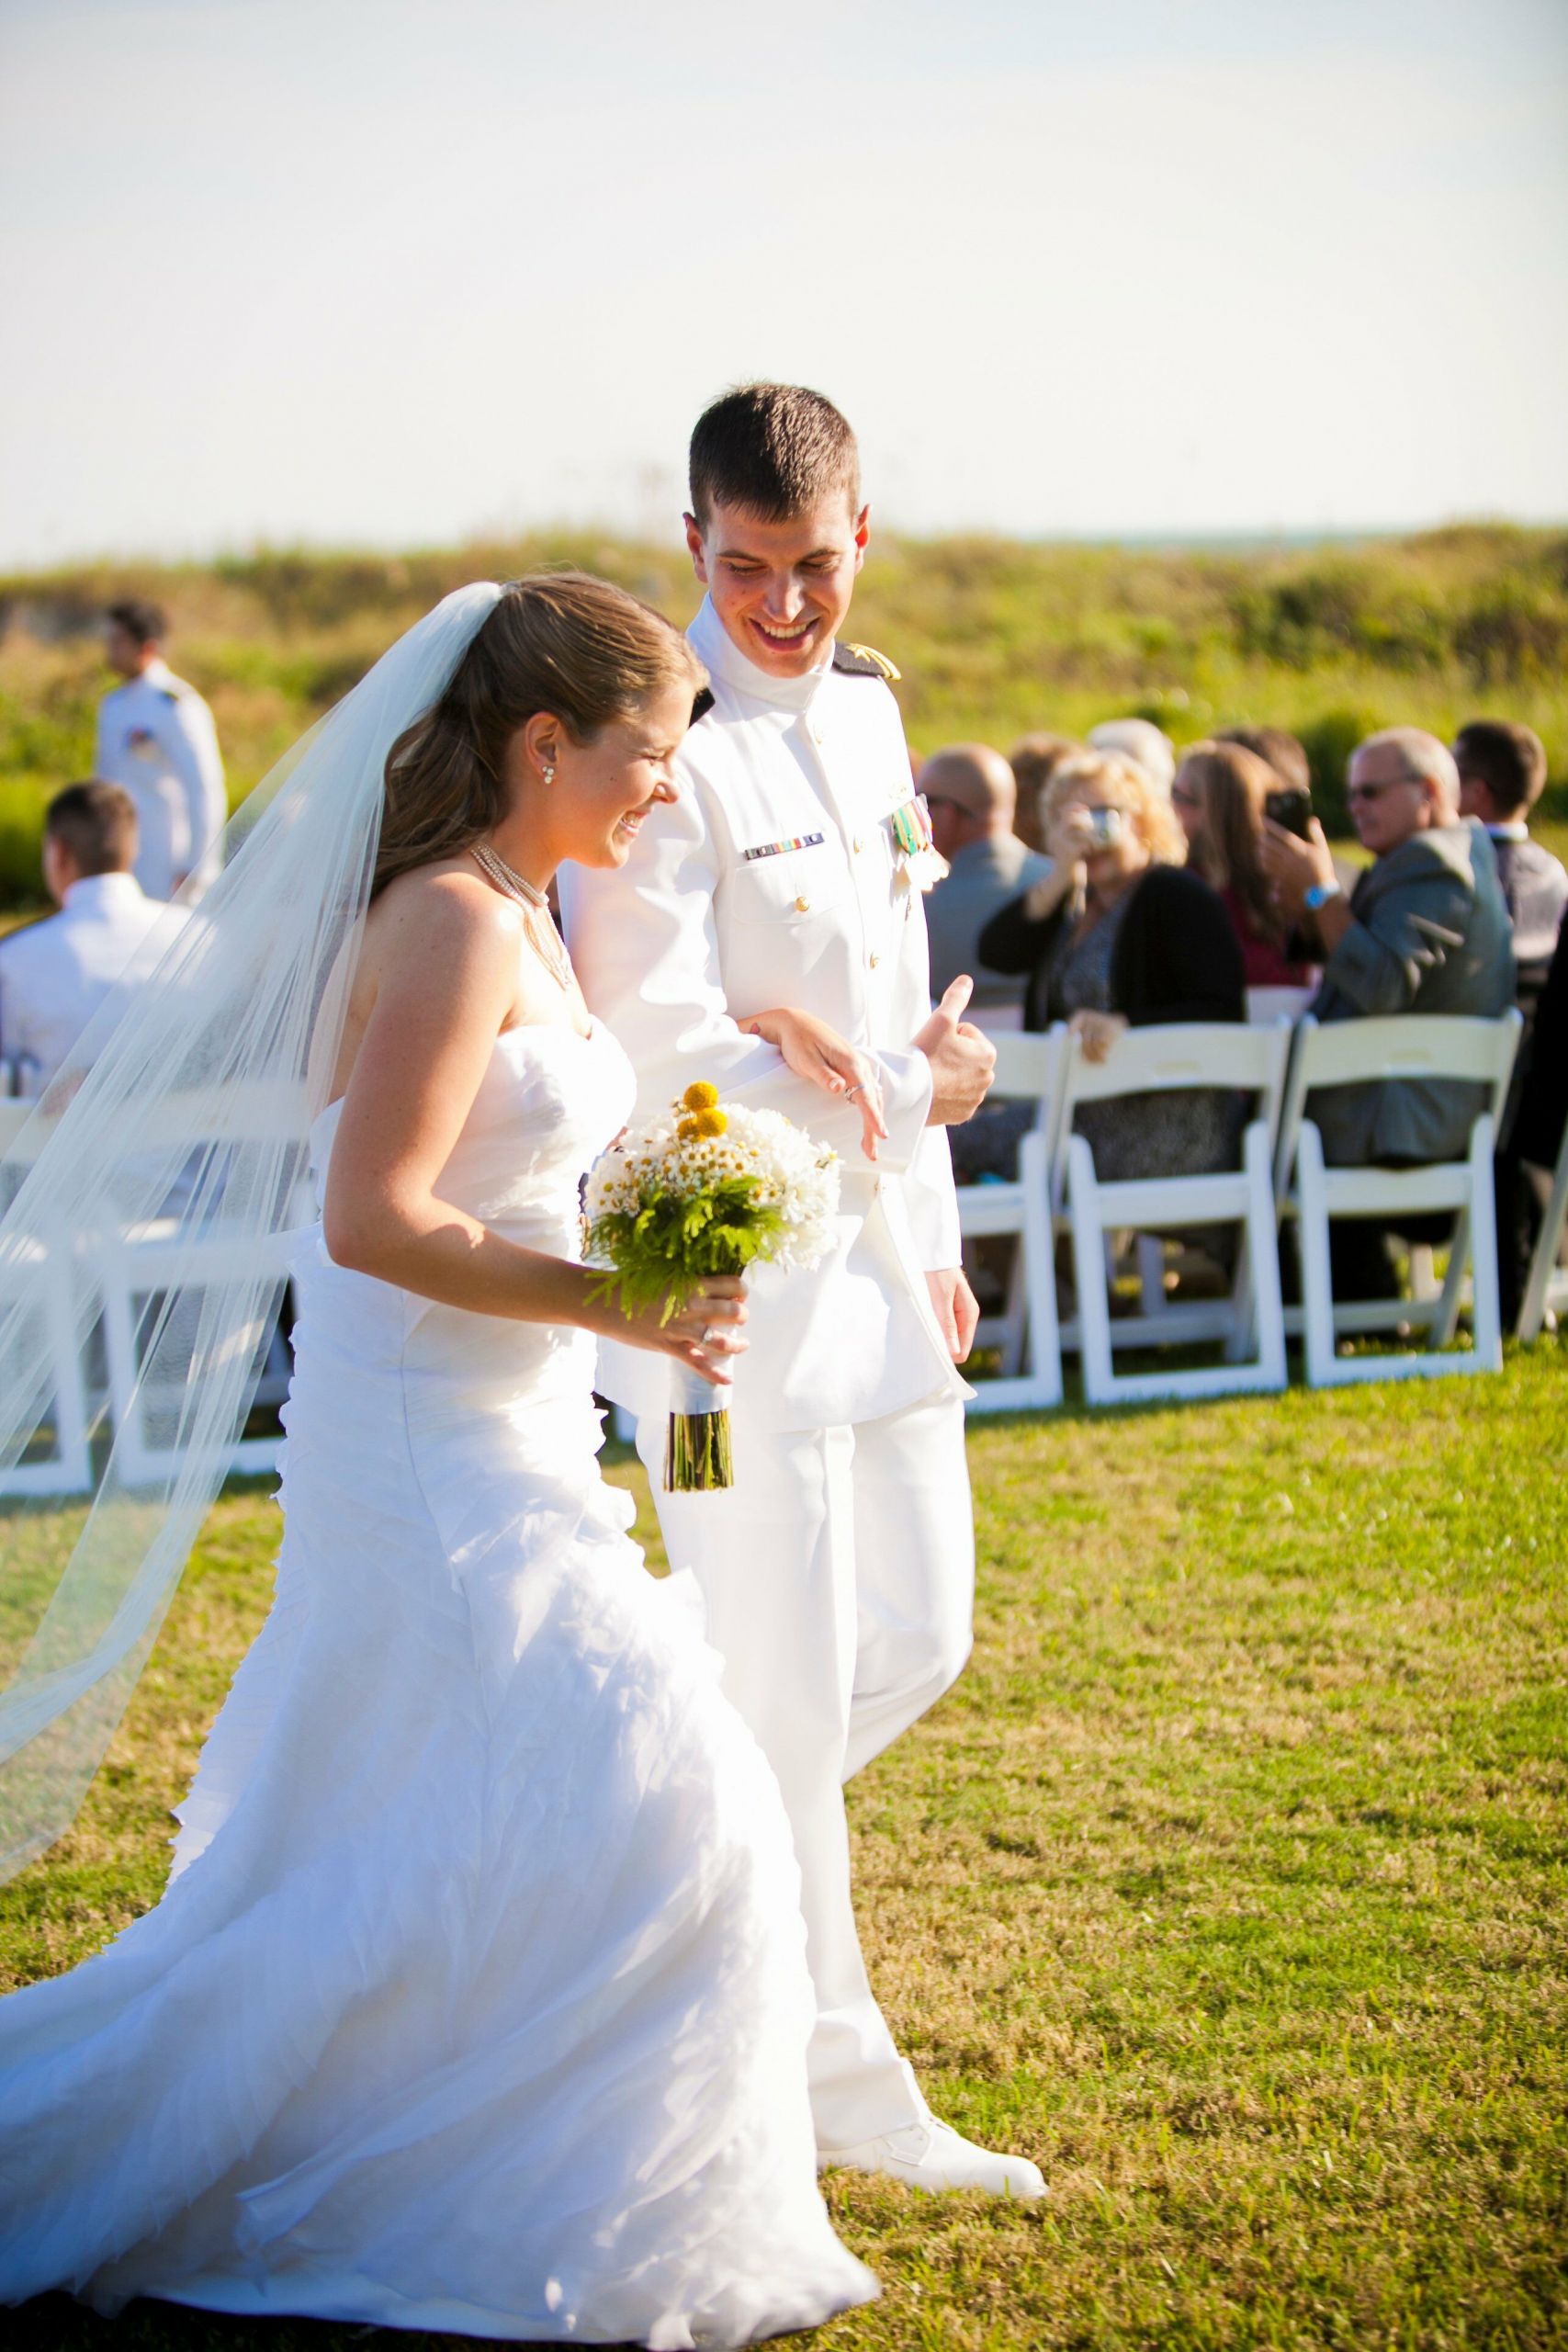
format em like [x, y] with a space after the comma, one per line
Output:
[1120, 934]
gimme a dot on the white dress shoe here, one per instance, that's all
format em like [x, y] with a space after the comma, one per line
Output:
[932, 2156]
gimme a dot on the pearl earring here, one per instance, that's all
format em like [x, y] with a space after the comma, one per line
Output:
[549, 771]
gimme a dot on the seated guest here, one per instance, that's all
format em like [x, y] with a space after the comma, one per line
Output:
[1527, 1159]
[1543, 1098]
[1425, 929]
[56, 974]
[1218, 797]
[1286, 754]
[1117, 935]
[969, 791]
[1034, 760]
[1502, 773]
[1278, 749]
[1140, 740]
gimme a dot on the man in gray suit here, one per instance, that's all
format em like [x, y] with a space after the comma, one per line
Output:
[1425, 929]
[970, 793]
[1501, 774]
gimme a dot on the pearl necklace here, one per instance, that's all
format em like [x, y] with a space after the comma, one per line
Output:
[545, 939]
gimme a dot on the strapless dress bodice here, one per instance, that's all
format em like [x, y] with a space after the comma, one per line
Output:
[550, 1100]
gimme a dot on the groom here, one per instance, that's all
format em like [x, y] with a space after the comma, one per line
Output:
[839, 1569]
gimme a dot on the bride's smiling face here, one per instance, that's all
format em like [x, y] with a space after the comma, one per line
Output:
[603, 789]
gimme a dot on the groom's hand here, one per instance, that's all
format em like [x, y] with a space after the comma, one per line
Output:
[962, 1059]
[956, 1308]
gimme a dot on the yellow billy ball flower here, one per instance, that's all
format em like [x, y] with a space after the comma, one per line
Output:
[701, 1096]
[688, 1130]
[709, 1122]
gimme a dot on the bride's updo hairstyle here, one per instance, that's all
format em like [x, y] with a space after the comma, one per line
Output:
[559, 642]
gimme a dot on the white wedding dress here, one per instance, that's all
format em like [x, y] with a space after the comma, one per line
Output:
[477, 1999]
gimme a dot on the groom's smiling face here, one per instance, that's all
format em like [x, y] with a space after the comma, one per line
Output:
[782, 589]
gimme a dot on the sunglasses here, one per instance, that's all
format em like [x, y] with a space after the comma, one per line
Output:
[1370, 792]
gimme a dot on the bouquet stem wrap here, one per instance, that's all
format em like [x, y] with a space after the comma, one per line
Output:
[699, 1194]
[697, 1453]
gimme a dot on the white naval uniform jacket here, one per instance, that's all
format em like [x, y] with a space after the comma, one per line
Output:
[775, 879]
[157, 740]
[56, 974]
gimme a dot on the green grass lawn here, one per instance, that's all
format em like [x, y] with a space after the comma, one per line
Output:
[1230, 1883]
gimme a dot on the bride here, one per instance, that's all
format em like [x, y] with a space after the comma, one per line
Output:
[478, 1998]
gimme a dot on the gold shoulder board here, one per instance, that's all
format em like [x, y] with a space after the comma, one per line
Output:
[865, 661]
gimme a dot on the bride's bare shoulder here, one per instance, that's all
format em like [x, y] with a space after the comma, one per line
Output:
[445, 908]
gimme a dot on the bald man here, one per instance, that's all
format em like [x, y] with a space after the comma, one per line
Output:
[1425, 929]
[969, 789]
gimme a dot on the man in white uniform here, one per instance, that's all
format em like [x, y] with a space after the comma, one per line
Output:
[156, 739]
[56, 974]
[838, 1570]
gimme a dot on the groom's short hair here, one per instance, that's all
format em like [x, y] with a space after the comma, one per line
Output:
[772, 449]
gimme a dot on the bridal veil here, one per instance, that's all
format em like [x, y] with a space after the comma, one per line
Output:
[182, 1118]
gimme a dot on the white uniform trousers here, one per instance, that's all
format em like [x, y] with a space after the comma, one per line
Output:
[838, 1574]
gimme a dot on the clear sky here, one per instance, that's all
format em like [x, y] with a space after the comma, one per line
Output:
[397, 271]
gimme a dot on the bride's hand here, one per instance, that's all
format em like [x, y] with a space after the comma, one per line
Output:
[705, 1334]
[815, 1050]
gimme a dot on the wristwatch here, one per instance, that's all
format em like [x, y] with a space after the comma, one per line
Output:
[1320, 893]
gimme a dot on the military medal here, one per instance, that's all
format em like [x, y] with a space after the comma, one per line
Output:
[913, 826]
[920, 864]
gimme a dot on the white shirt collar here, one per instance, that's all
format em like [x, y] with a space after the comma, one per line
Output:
[96, 892]
[723, 658]
[1515, 830]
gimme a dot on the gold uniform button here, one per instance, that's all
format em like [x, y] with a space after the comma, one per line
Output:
[803, 906]
[875, 961]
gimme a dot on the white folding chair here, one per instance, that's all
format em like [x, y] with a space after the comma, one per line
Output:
[1398, 1046]
[35, 1274]
[1265, 1006]
[135, 1265]
[1028, 1069]
[996, 1019]
[1159, 1060]
[1546, 1291]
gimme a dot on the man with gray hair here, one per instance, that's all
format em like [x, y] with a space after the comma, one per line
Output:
[1138, 739]
[1425, 929]
[969, 790]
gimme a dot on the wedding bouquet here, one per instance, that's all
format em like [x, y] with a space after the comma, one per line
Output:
[703, 1191]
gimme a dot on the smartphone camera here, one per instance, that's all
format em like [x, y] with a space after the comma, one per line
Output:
[1104, 824]
[1291, 808]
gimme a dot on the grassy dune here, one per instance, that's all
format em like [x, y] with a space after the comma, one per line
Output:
[1229, 1883]
[993, 636]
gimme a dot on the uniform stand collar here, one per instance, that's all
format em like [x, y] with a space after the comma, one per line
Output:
[724, 659]
[99, 891]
